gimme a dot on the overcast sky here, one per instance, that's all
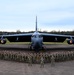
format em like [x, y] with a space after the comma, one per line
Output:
[51, 14]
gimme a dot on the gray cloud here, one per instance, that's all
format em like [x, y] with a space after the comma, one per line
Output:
[23, 12]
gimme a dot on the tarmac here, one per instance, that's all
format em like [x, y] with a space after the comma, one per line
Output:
[18, 68]
[15, 68]
[25, 47]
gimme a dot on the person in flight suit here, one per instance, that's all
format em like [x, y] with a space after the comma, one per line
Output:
[52, 60]
[41, 61]
[29, 60]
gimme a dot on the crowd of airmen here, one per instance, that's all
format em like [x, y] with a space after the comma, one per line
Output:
[41, 57]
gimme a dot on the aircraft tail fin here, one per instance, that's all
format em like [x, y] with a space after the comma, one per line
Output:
[36, 24]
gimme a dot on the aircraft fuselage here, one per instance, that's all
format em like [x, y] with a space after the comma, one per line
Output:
[37, 40]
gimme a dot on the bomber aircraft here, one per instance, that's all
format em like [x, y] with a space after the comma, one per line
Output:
[36, 38]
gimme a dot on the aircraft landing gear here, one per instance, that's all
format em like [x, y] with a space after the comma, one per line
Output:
[43, 48]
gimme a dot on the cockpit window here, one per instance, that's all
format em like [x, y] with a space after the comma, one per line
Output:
[35, 36]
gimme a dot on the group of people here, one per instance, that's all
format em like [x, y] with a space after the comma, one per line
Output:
[26, 57]
[41, 57]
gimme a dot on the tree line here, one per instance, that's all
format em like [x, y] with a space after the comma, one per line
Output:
[51, 32]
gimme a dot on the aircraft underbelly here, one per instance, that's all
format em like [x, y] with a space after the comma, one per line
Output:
[19, 39]
[53, 39]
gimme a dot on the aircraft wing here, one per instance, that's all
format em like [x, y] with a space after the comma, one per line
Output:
[18, 37]
[55, 37]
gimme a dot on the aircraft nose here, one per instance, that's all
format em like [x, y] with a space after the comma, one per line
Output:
[37, 41]
[37, 44]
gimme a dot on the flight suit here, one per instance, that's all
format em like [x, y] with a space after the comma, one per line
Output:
[41, 62]
[29, 60]
[52, 60]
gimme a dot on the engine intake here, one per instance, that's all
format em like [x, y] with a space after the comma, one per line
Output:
[2, 41]
[70, 41]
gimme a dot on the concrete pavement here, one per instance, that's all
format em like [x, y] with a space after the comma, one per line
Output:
[15, 68]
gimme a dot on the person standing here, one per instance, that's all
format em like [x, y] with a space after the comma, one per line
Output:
[52, 61]
[29, 60]
[41, 62]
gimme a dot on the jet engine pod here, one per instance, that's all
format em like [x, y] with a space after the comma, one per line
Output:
[3, 41]
[70, 41]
